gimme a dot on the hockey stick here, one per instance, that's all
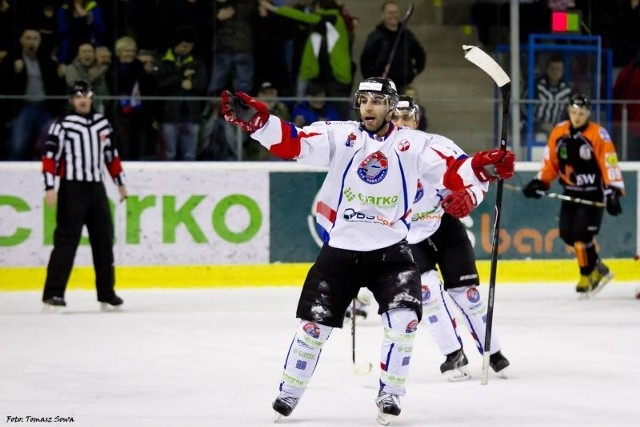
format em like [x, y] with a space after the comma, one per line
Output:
[560, 196]
[478, 57]
[407, 16]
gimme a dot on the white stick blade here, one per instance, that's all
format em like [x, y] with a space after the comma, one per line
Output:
[486, 63]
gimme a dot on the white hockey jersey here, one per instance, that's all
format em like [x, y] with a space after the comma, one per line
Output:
[366, 201]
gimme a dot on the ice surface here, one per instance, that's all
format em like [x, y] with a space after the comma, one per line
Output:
[214, 357]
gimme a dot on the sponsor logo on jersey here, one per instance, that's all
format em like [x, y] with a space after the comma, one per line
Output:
[378, 201]
[351, 139]
[374, 168]
[473, 295]
[406, 360]
[412, 326]
[419, 192]
[427, 216]
[426, 293]
[351, 215]
[403, 145]
[433, 319]
[611, 159]
[301, 364]
[311, 329]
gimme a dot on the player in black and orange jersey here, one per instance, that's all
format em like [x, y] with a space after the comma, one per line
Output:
[581, 154]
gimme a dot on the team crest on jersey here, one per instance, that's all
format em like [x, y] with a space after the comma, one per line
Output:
[473, 295]
[426, 293]
[374, 168]
[419, 192]
[412, 326]
[604, 134]
[403, 145]
[311, 329]
[585, 152]
[351, 139]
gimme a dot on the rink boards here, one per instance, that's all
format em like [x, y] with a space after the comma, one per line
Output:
[251, 224]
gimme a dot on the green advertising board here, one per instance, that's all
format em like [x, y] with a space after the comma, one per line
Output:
[529, 227]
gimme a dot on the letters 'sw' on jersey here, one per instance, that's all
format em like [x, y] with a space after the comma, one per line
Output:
[366, 201]
[584, 160]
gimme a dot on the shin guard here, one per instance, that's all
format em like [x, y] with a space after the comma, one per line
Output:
[397, 345]
[436, 315]
[303, 357]
[474, 311]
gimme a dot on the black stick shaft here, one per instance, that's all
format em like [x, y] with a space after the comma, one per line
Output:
[506, 94]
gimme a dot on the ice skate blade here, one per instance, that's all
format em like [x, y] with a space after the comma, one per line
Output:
[277, 417]
[52, 309]
[108, 308]
[385, 419]
[455, 375]
[606, 279]
[503, 373]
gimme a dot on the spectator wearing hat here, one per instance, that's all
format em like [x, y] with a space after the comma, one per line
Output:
[268, 94]
[182, 75]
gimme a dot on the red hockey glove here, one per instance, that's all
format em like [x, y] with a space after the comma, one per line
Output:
[459, 203]
[242, 110]
[493, 165]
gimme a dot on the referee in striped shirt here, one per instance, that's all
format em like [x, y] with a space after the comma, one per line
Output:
[77, 148]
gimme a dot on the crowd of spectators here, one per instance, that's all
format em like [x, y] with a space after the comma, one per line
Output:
[154, 64]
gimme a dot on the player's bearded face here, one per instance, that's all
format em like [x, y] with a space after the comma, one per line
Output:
[373, 110]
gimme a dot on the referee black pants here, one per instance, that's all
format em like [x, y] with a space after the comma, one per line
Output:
[79, 204]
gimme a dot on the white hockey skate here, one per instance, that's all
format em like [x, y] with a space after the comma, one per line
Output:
[388, 407]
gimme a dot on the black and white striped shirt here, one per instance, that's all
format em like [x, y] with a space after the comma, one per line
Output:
[554, 100]
[77, 149]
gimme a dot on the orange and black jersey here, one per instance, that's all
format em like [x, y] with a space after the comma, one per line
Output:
[77, 149]
[583, 159]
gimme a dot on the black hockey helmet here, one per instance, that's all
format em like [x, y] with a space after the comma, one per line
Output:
[377, 86]
[81, 88]
[407, 106]
[580, 100]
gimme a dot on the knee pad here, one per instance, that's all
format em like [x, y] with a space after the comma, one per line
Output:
[303, 356]
[400, 327]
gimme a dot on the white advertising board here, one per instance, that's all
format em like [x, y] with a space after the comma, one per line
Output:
[176, 214]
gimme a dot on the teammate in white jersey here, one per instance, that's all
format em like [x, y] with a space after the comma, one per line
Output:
[439, 237]
[365, 212]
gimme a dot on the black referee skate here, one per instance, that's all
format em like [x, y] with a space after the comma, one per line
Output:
[284, 405]
[454, 368]
[498, 362]
[112, 304]
[53, 304]
[388, 407]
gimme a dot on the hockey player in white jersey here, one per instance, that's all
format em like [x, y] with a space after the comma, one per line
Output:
[373, 168]
[439, 237]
